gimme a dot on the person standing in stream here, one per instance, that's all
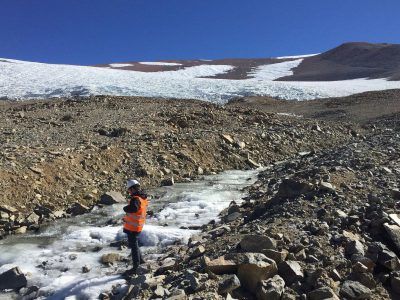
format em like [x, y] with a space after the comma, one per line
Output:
[134, 221]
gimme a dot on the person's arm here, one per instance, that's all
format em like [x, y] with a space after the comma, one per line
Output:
[133, 206]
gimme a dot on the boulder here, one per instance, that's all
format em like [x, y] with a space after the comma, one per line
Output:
[277, 256]
[110, 198]
[220, 265]
[253, 268]
[290, 271]
[394, 234]
[256, 243]
[78, 209]
[168, 264]
[198, 251]
[21, 230]
[32, 219]
[168, 182]
[354, 247]
[228, 283]
[12, 279]
[323, 293]
[290, 188]
[232, 217]
[354, 290]
[271, 289]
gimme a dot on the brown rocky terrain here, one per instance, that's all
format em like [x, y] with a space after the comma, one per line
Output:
[56, 152]
[359, 108]
[320, 223]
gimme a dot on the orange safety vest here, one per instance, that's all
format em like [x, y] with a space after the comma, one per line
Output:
[134, 221]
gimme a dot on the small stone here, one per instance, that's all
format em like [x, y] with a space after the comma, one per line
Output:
[111, 258]
[85, 269]
[228, 283]
[198, 251]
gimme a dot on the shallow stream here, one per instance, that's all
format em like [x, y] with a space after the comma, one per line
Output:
[53, 258]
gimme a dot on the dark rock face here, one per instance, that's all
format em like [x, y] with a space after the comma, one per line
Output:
[12, 279]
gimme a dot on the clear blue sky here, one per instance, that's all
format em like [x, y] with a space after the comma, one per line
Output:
[100, 31]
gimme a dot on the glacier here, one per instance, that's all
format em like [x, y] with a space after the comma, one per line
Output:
[21, 80]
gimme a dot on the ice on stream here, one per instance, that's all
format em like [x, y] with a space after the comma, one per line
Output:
[53, 259]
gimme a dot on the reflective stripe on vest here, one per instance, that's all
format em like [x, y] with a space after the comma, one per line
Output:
[135, 221]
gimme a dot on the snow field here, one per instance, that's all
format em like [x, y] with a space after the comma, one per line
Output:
[26, 80]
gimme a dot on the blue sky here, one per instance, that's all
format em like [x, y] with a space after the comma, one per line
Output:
[100, 31]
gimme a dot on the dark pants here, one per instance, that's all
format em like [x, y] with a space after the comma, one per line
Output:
[133, 244]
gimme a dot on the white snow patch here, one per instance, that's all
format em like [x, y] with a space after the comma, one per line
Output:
[275, 71]
[120, 65]
[297, 56]
[159, 63]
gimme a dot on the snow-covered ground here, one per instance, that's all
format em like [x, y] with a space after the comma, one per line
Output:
[53, 259]
[25, 80]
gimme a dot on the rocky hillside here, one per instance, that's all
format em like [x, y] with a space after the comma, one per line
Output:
[55, 153]
[320, 225]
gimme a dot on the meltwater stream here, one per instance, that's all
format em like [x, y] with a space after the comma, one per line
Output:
[53, 258]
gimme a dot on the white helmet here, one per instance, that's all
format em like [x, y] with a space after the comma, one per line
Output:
[132, 182]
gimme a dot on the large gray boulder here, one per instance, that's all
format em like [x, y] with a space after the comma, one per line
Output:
[256, 243]
[110, 198]
[253, 268]
[12, 279]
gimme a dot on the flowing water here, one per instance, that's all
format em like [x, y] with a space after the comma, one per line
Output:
[53, 258]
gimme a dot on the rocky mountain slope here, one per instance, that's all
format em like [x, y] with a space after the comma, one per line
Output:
[349, 61]
[320, 223]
